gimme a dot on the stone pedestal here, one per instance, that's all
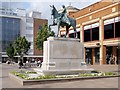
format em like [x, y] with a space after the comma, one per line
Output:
[63, 56]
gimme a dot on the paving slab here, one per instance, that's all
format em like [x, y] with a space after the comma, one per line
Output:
[95, 83]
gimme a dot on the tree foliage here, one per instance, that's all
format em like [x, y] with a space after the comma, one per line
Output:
[10, 51]
[21, 46]
[42, 36]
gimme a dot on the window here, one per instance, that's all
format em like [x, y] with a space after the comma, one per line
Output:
[95, 33]
[91, 32]
[109, 31]
[71, 35]
[97, 55]
[87, 35]
[117, 29]
[10, 31]
[78, 34]
[111, 28]
[88, 55]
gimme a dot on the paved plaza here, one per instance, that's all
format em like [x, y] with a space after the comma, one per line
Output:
[95, 83]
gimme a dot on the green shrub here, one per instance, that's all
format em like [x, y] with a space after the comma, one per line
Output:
[24, 74]
[110, 73]
[84, 75]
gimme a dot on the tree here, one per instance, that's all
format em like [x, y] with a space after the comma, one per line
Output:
[21, 46]
[10, 52]
[42, 36]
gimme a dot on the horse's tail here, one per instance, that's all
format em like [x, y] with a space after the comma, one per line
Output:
[72, 21]
[49, 27]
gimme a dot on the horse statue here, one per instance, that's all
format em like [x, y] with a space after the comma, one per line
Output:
[57, 20]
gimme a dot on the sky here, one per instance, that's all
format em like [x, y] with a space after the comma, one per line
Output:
[43, 6]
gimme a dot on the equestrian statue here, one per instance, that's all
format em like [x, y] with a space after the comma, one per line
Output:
[61, 19]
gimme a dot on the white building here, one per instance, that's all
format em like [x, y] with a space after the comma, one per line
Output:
[25, 26]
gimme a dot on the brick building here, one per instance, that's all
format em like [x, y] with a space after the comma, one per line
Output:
[38, 23]
[98, 26]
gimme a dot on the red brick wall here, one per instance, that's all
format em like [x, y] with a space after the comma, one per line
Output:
[37, 23]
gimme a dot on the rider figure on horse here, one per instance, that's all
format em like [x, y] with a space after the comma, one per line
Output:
[64, 16]
[61, 19]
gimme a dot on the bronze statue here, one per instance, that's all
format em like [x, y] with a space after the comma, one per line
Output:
[61, 19]
[64, 16]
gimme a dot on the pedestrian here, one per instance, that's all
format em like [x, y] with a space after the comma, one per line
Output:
[20, 64]
[39, 63]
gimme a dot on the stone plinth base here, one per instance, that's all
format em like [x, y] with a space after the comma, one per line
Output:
[62, 56]
[63, 72]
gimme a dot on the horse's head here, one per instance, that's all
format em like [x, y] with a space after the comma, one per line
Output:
[54, 12]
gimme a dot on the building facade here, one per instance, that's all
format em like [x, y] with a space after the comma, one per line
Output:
[99, 31]
[33, 24]
[38, 23]
[29, 33]
[9, 28]
[10, 31]
[14, 23]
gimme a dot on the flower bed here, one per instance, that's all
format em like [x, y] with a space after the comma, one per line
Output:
[28, 75]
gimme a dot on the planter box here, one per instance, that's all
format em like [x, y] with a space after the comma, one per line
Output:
[56, 80]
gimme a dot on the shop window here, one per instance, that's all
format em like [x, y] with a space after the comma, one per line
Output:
[97, 55]
[71, 35]
[62, 35]
[117, 29]
[109, 51]
[86, 35]
[88, 55]
[109, 31]
[95, 33]
[78, 34]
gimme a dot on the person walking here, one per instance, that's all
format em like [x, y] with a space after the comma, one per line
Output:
[20, 64]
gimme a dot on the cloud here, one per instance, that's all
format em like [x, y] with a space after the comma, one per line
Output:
[44, 7]
[49, 0]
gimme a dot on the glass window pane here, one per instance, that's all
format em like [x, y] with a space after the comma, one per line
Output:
[95, 33]
[87, 35]
[109, 31]
[10, 31]
[117, 29]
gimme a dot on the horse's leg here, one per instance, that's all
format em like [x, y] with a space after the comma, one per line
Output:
[58, 30]
[74, 27]
[67, 30]
[75, 32]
